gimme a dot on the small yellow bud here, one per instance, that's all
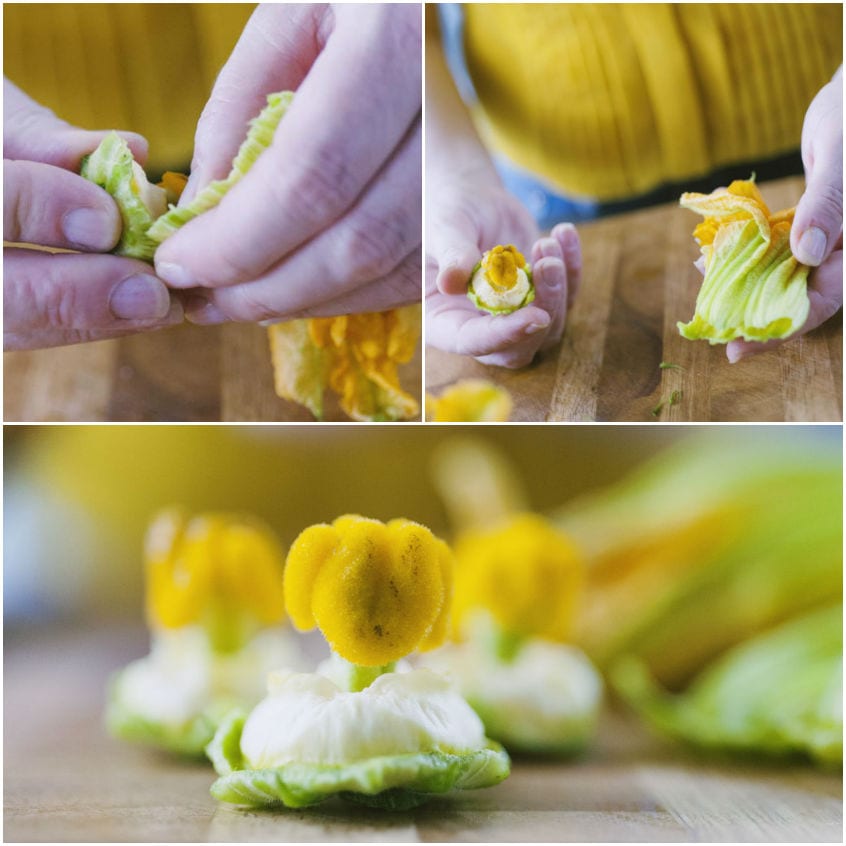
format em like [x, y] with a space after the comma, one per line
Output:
[526, 573]
[213, 569]
[377, 591]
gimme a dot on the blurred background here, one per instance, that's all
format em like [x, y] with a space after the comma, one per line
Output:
[78, 498]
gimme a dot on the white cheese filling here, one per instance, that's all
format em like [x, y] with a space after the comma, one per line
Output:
[493, 298]
[307, 718]
[182, 676]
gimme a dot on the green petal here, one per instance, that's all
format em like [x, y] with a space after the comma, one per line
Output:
[111, 167]
[753, 289]
[778, 693]
[257, 141]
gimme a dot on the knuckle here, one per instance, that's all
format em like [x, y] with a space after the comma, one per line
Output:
[324, 184]
[374, 246]
[243, 305]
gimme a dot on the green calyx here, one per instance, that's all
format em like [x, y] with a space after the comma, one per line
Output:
[393, 782]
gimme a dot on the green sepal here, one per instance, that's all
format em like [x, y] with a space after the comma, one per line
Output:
[110, 167]
[395, 782]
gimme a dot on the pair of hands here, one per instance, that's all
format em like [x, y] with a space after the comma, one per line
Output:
[473, 212]
[327, 222]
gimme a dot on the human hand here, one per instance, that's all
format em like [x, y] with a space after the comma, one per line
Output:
[327, 221]
[55, 299]
[816, 237]
[465, 222]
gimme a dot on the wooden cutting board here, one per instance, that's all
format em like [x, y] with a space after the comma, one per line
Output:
[187, 373]
[639, 281]
[65, 780]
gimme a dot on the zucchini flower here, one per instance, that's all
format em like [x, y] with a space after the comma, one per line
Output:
[357, 356]
[779, 693]
[470, 401]
[214, 604]
[501, 282]
[365, 726]
[753, 288]
[517, 586]
[113, 167]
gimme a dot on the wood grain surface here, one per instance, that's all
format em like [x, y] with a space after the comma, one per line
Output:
[639, 281]
[65, 780]
[184, 374]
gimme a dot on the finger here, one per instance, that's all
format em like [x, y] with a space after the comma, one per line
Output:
[402, 286]
[50, 300]
[568, 237]
[818, 221]
[348, 117]
[32, 132]
[51, 207]
[475, 334]
[274, 53]
[550, 280]
[826, 297]
[364, 246]
[452, 243]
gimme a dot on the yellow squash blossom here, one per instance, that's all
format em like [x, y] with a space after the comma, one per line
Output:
[502, 281]
[377, 591]
[753, 288]
[525, 573]
[221, 571]
[356, 355]
[470, 401]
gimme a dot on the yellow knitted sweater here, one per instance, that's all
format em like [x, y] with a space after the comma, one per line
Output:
[143, 67]
[611, 100]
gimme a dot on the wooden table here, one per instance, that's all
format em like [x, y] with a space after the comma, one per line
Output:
[187, 373]
[639, 281]
[65, 780]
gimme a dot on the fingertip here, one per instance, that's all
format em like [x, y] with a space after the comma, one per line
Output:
[734, 352]
[138, 144]
[811, 246]
[453, 280]
[546, 248]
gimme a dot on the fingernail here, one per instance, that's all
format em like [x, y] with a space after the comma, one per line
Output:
[534, 328]
[203, 312]
[811, 248]
[140, 298]
[549, 248]
[90, 228]
[175, 274]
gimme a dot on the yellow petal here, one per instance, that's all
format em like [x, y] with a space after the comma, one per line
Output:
[526, 573]
[376, 591]
[470, 401]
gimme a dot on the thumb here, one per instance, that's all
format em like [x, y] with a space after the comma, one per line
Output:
[32, 132]
[818, 221]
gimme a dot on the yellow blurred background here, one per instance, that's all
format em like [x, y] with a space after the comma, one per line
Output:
[79, 498]
[143, 67]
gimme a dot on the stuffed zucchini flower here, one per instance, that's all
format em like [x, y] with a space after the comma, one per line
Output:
[753, 288]
[501, 282]
[364, 726]
[214, 605]
[517, 587]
